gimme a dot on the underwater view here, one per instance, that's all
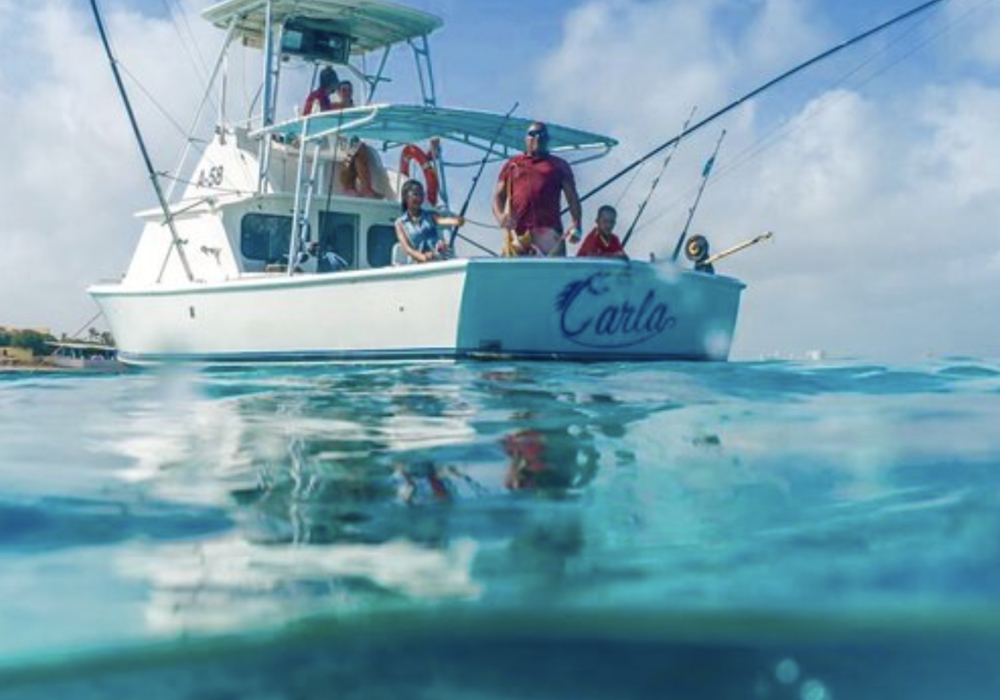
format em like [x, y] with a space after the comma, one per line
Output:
[778, 529]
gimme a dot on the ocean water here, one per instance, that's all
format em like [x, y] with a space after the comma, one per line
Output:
[772, 530]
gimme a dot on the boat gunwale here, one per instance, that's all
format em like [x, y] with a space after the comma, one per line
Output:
[224, 360]
[283, 281]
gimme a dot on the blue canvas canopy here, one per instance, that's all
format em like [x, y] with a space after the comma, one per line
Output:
[371, 24]
[398, 124]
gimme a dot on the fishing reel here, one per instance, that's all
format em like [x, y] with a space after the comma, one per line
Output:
[697, 251]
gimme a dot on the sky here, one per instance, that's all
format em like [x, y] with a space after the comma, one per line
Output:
[878, 170]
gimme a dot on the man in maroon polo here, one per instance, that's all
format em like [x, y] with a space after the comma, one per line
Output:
[526, 199]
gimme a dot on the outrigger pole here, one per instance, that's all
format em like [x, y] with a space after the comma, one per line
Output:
[766, 86]
[656, 180]
[168, 217]
[706, 172]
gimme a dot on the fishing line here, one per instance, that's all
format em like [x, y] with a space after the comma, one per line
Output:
[706, 174]
[776, 136]
[176, 242]
[635, 176]
[149, 96]
[475, 181]
[85, 325]
[474, 163]
[761, 89]
[481, 224]
[771, 140]
[656, 180]
[188, 43]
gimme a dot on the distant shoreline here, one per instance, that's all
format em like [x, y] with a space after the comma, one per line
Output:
[25, 369]
[45, 367]
[36, 367]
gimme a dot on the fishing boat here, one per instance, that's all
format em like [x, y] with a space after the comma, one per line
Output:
[265, 256]
[91, 357]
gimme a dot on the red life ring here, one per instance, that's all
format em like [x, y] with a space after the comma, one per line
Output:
[413, 152]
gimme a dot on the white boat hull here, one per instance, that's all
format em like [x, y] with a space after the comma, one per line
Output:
[571, 309]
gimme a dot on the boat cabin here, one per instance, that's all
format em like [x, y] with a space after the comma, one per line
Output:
[267, 196]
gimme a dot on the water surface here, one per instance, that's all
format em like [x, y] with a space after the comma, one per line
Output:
[775, 529]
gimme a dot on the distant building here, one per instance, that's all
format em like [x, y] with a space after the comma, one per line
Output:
[11, 355]
[43, 330]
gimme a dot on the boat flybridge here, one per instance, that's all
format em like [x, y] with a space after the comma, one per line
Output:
[266, 257]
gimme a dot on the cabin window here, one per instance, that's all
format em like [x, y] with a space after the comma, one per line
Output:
[338, 232]
[381, 239]
[265, 237]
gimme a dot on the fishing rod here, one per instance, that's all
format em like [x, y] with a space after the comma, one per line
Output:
[738, 247]
[706, 173]
[475, 182]
[766, 86]
[656, 180]
[168, 217]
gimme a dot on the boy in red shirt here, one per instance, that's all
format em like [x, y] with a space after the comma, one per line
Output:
[601, 242]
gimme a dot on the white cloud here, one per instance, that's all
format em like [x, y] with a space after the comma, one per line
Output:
[961, 158]
[979, 25]
[74, 170]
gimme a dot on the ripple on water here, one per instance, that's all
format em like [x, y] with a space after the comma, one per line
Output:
[191, 504]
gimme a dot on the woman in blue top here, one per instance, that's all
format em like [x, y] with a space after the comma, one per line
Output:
[417, 229]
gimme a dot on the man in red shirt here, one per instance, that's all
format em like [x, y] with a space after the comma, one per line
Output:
[320, 99]
[601, 241]
[527, 197]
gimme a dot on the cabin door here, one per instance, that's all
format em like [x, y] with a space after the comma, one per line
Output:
[338, 233]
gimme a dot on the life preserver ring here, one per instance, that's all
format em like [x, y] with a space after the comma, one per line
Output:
[412, 152]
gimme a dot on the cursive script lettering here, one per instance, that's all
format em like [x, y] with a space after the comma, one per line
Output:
[591, 315]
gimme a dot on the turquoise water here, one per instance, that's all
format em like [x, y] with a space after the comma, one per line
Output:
[746, 530]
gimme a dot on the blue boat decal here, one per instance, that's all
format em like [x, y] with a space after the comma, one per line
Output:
[601, 312]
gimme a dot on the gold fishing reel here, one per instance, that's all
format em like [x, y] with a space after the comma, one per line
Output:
[696, 249]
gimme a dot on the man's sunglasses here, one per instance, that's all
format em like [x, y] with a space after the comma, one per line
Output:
[538, 133]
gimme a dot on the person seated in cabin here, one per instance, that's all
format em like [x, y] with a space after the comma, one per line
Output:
[322, 98]
[417, 229]
[527, 196]
[356, 174]
[602, 242]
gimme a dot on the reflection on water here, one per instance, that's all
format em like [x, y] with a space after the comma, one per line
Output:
[551, 461]
[368, 490]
